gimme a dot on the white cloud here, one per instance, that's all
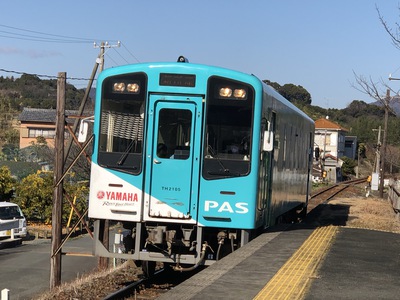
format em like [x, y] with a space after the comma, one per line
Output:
[31, 53]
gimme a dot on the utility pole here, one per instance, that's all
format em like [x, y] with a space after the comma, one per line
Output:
[81, 108]
[99, 63]
[383, 148]
[104, 224]
[56, 228]
[378, 149]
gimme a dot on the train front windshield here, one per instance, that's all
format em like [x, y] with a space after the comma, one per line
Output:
[230, 107]
[227, 131]
[121, 127]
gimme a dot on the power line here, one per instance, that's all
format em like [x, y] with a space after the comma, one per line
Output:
[123, 57]
[41, 76]
[42, 39]
[38, 39]
[111, 59]
[123, 45]
[115, 49]
[42, 36]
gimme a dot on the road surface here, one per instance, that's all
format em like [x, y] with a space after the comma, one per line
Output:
[25, 269]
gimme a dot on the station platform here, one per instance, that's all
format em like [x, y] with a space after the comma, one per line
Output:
[300, 261]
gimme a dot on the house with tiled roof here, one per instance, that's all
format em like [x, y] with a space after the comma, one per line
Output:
[37, 122]
[330, 137]
[330, 144]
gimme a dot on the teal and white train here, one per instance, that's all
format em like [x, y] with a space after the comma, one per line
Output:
[194, 160]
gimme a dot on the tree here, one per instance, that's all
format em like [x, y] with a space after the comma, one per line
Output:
[393, 159]
[10, 152]
[40, 151]
[294, 93]
[348, 166]
[35, 196]
[275, 85]
[369, 87]
[394, 34]
[7, 184]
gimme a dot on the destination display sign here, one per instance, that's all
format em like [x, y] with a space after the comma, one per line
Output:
[185, 80]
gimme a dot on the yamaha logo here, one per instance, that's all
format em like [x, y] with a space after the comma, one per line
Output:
[100, 195]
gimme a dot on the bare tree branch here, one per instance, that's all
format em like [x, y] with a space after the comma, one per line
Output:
[395, 36]
[370, 88]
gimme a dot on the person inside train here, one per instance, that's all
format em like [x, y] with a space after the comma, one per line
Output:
[162, 150]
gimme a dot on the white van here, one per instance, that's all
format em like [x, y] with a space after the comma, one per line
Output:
[8, 212]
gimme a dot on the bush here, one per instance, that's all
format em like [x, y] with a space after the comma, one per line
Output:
[35, 192]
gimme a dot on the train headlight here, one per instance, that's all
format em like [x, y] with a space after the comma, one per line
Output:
[119, 87]
[239, 93]
[133, 88]
[232, 93]
[126, 87]
[225, 92]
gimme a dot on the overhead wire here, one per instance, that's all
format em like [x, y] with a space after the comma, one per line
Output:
[26, 37]
[109, 57]
[41, 75]
[41, 36]
[119, 54]
[123, 45]
[38, 36]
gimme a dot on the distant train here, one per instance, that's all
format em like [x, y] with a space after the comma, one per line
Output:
[194, 160]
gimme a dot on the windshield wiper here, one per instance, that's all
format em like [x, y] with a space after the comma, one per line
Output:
[126, 153]
[214, 155]
[224, 173]
[121, 167]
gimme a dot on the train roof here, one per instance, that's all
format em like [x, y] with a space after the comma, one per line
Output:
[214, 70]
[192, 66]
[272, 91]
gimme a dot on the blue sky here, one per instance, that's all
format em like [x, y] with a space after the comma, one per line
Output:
[316, 44]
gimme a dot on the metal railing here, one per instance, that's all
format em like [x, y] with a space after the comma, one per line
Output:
[394, 195]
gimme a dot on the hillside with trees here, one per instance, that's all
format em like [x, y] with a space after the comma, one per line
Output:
[358, 117]
[31, 91]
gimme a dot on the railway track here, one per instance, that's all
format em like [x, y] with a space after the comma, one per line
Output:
[131, 289]
[326, 194]
[322, 213]
[152, 287]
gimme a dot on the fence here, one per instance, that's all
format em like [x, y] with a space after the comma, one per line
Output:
[394, 195]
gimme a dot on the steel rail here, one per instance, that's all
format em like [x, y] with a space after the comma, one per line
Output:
[345, 183]
[127, 291]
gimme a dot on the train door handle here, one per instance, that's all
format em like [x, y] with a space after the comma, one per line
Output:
[156, 161]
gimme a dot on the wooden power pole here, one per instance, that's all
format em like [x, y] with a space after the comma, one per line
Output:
[104, 224]
[383, 148]
[56, 228]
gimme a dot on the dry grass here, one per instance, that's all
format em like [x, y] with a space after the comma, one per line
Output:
[95, 285]
[370, 213]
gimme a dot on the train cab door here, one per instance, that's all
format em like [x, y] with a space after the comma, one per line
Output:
[172, 166]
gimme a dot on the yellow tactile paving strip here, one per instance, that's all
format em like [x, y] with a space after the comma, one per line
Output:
[291, 280]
